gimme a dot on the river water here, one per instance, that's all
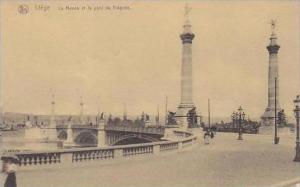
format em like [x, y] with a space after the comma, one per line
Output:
[15, 141]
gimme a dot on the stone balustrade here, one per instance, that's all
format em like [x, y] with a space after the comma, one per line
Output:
[29, 160]
[187, 143]
[142, 150]
[182, 134]
[38, 159]
[86, 155]
[169, 146]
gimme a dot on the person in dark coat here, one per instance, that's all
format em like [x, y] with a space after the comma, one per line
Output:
[206, 137]
[212, 135]
[11, 169]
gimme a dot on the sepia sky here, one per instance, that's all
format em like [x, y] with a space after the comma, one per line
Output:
[133, 57]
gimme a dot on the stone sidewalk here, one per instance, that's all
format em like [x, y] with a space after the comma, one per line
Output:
[255, 161]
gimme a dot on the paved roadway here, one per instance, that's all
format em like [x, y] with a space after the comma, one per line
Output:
[255, 161]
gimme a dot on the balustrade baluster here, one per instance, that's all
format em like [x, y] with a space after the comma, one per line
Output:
[101, 154]
[84, 156]
[44, 159]
[50, 158]
[129, 151]
[34, 159]
[75, 157]
[39, 159]
[97, 154]
[88, 156]
[30, 160]
[25, 160]
[20, 160]
[58, 157]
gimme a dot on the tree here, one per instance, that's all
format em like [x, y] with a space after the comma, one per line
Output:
[110, 121]
[281, 119]
[138, 122]
[171, 118]
[117, 121]
[192, 117]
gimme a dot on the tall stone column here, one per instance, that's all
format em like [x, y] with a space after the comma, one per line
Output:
[51, 129]
[267, 119]
[186, 103]
[81, 112]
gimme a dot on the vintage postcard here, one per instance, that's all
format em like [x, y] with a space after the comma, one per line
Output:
[150, 93]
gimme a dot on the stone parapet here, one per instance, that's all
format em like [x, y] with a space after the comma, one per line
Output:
[31, 160]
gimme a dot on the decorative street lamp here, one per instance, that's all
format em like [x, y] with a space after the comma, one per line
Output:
[238, 118]
[233, 117]
[296, 111]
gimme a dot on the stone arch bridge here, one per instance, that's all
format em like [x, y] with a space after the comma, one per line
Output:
[103, 135]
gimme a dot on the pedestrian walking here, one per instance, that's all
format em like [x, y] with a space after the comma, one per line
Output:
[3, 174]
[207, 137]
[10, 168]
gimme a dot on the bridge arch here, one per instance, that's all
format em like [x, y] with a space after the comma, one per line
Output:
[134, 138]
[86, 137]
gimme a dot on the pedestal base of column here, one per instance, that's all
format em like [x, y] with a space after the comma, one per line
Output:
[267, 119]
[181, 114]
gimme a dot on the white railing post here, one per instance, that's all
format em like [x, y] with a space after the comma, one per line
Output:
[66, 158]
[156, 149]
[118, 153]
[180, 145]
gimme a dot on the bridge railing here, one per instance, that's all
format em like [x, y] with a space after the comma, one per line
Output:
[78, 126]
[147, 130]
[73, 157]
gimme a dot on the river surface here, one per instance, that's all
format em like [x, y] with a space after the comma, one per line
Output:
[15, 141]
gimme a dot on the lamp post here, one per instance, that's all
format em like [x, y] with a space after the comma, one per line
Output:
[234, 118]
[237, 120]
[296, 111]
[241, 116]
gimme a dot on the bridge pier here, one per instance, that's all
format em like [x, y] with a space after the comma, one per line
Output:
[101, 134]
